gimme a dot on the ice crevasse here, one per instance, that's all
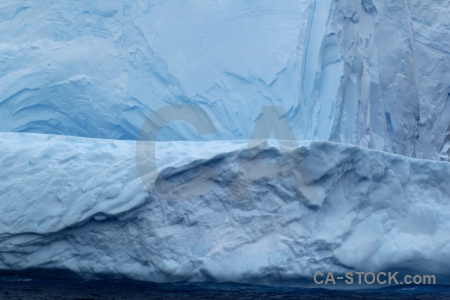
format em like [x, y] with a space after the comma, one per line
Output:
[362, 85]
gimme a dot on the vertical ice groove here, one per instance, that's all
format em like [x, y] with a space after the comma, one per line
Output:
[350, 109]
[331, 72]
[306, 78]
[320, 13]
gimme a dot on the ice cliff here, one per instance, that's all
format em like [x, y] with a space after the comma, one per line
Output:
[369, 73]
[363, 86]
[259, 214]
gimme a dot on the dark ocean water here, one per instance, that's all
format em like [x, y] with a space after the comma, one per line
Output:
[14, 287]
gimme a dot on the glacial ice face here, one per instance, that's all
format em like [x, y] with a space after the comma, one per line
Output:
[432, 40]
[86, 74]
[219, 210]
[370, 73]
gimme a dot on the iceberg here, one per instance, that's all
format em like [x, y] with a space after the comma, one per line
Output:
[219, 210]
[369, 73]
[355, 93]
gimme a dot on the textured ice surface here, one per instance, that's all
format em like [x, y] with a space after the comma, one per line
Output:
[229, 213]
[85, 75]
[370, 73]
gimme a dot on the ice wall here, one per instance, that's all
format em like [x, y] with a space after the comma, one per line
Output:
[370, 73]
[85, 75]
[219, 211]
[432, 44]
